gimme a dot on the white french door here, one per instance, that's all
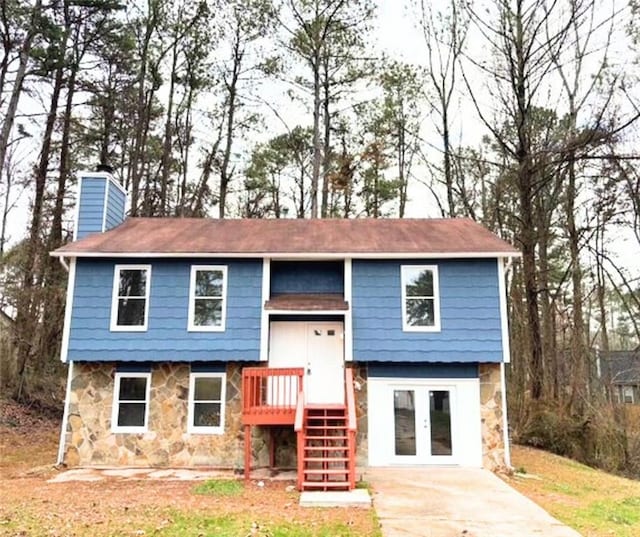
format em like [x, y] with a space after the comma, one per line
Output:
[424, 421]
[423, 431]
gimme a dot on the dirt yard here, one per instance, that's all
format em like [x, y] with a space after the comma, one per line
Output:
[32, 507]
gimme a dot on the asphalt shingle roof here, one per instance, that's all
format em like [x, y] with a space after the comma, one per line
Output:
[292, 236]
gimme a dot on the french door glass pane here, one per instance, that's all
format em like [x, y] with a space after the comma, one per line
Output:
[404, 413]
[440, 418]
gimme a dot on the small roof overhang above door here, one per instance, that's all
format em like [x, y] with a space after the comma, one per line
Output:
[307, 302]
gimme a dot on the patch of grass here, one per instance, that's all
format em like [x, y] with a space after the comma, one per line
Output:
[238, 525]
[595, 503]
[219, 487]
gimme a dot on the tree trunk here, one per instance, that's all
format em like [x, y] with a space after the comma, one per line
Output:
[167, 143]
[26, 317]
[10, 113]
[232, 89]
[326, 152]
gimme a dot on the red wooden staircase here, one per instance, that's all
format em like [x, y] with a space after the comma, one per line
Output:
[326, 444]
[326, 435]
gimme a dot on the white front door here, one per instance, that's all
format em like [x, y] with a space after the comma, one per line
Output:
[424, 422]
[318, 347]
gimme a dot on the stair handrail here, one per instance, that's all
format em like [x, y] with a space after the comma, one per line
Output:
[298, 427]
[352, 425]
[299, 421]
[351, 400]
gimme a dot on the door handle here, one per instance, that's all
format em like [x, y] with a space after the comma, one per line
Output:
[425, 424]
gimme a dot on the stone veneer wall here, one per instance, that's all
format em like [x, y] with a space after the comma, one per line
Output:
[360, 389]
[90, 442]
[491, 395]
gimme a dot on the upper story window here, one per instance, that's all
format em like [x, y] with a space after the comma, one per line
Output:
[206, 403]
[130, 306]
[420, 298]
[131, 402]
[207, 298]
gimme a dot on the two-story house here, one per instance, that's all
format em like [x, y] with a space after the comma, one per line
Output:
[293, 343]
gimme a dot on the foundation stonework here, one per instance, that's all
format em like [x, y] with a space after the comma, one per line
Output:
[491, 395]
[90, 441]
[360, 391]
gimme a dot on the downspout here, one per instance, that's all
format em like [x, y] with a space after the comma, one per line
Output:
[505, 422]
[65, 414]
[64, 263]
[65, 417]
[503, 387]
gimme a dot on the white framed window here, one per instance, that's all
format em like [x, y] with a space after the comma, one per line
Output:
[627, 393]
[206, 403]
[207, 298]
[420, 298]
[130, 412]
[130, 303]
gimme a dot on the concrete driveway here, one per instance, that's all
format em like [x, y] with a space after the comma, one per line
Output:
[456, 502]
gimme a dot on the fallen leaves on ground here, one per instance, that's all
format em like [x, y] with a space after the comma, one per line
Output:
[31, 507]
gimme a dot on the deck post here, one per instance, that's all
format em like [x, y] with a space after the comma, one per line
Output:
[272, 449]
[247, 452]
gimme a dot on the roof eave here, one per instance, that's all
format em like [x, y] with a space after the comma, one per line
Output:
[294, 255]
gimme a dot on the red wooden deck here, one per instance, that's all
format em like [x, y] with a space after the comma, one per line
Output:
[275, 396]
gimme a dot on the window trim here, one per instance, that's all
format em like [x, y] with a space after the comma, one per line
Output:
[436, 299]
[191, 326]
[115, 405]
[114, 326]
[194, 429]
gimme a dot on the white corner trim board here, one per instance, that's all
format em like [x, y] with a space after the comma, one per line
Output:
[68, 309]
[348, 315]
[504, 321]
[264, 315]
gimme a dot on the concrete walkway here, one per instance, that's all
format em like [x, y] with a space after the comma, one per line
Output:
[456, 502]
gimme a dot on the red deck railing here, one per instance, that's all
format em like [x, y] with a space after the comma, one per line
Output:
[270, 395]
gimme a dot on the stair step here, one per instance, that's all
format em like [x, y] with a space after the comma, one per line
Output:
[326, 448]
[326, 471]
[326, 459]
[325, 427]
[324, 484]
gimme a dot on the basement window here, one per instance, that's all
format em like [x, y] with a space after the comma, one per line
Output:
[131, 402]
[206, 403]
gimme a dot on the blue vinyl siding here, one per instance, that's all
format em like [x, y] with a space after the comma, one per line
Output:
[115, 207]
[167, 337]
[469, 313]
[422, 371]
[91, 208]
[307, 277]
